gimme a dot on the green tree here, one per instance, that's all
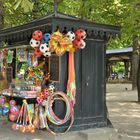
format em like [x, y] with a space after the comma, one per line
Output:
[124, 13]
[1, 14]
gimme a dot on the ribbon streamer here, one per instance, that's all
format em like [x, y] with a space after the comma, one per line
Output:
[71, 85]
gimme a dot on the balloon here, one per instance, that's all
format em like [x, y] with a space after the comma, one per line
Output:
[6, 104]
[12, 117]
[5, 110]
[12, 103]
[14, 110]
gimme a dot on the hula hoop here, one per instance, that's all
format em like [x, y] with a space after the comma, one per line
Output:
[52, 117]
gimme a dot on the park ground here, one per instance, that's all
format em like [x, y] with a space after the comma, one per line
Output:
[123, 113]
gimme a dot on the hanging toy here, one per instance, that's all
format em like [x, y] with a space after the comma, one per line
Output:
[12, 117]
[10, 56]
[79, 44]
[2, 101]
[51, 88]
[6, 108]
[46, 37]
[34, 43]
[37, 52]
[44, 48]
[47, 54]
[80, 34]
[24, 121]
[71, 35]
[12, 103]
[37, 35]
[14, 111]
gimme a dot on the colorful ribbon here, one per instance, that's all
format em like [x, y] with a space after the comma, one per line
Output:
[60, 44]
[71, 85]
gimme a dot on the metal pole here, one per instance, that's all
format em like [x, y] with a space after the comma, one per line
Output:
[55, 8]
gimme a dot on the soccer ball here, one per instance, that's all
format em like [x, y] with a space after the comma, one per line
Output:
[80, 34]
[71, 35]
[79, 44]
[37, 35]
[34, 43]
[44, 48]
[47, 54]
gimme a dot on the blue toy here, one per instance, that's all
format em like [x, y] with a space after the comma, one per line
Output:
[46, 37]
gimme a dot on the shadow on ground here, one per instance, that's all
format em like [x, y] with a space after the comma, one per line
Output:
[123, 111]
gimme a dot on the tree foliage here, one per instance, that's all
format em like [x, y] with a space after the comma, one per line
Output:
[124, 13]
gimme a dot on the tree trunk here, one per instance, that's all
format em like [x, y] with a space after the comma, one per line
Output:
[135, 61]
[138, 80]
[1, 14]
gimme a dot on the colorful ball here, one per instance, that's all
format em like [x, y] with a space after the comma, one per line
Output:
[79, 44]
[34, 43]
[12, 103]
[6, 104]
[71, 35]
[37, 52]
[44, 48]
[37, 35]
[80, 34]
[46, 37]
[2, 100]
[6, 110]
[14, 110]
[12, 117]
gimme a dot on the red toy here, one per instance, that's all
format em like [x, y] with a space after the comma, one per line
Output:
[12, 117]
[80, 34]
[37, 52]
[79, 44]
[37, 35]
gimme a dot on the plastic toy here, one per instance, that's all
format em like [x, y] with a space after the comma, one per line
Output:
[47, 54]
[37, 52]
[80, 34]
[71, 35]
[12, 117]
[46, 37]
[24, 121]
[44, 48]
[12, 103]
[79, 44]
[34, 43]
[37, 35]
